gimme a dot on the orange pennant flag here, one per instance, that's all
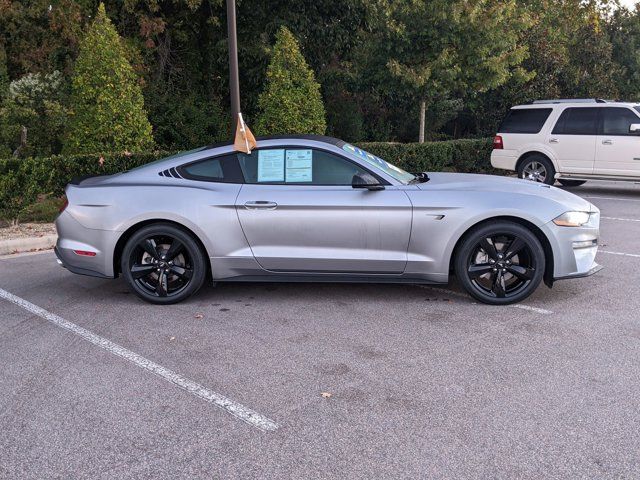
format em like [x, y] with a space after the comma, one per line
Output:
[245, 141]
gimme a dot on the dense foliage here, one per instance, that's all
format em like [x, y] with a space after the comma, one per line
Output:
[22, 181]
[375, 61]
[108, 107]
[291, 101]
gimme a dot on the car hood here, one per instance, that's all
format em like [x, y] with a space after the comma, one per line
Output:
[465, 182]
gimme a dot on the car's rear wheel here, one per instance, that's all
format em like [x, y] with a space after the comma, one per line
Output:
[500, 263]
[537, 168]
[163, 264]
[571, 183]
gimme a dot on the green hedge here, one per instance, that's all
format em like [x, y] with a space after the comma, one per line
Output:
[23, 181]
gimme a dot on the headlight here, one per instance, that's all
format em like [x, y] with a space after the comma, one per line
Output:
[572, 219]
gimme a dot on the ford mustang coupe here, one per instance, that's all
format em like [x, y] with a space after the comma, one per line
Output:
[317, 209]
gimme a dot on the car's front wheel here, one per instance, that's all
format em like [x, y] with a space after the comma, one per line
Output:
[500, 262]
[163, 264]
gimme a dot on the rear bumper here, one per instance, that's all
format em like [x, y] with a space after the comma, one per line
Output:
[73, 237]
[504, 159]
[79, 271]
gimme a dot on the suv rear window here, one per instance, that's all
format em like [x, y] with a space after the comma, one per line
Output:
[524, 120]
[577, 121]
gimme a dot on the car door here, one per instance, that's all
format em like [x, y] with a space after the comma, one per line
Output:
[300, 213]
[617, 148]
[573, 139]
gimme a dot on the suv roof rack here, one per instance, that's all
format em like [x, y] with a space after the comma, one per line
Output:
[571, 100]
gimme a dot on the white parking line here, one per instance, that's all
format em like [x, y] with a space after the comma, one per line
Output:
[239, 411]
[621, 219]
[634, 255]
[613, 198]
[541, 311]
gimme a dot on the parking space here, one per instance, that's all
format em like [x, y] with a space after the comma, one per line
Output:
[360, 381]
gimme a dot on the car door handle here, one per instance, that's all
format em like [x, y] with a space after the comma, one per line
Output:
[263, 204]
[607, 142]
[554, 140]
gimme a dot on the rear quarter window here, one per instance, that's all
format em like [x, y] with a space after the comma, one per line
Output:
[525, 120]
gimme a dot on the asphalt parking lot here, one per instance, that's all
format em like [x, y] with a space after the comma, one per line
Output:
[325, 381]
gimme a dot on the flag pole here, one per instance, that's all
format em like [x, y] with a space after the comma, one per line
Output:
[234, 80]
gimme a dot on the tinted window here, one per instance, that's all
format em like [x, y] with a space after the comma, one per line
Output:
[524, 120]
[616, 121]
[637, 108]
[577, 121]
[218, 169]
[299, 166]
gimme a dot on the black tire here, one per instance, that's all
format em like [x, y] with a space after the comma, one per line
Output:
[500, 262]
[571, 183]
[537, 168]
[163, 264]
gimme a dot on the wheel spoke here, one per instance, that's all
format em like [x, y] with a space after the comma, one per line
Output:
[149, 246]
[141, 270]
[175, 248]
[479, 269]
[161, 287]
[515, 246]
[522, 273]
[498, 285]
[489, 248]
[183, 273]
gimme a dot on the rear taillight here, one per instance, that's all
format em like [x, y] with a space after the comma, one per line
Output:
[84, 253]
[64, 204]
[497, 143]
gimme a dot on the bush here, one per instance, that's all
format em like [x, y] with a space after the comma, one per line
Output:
[291, 101]
[109, 112]
[470, 156]
[23, 181]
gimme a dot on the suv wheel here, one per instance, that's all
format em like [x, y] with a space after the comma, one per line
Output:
[537, 168]
[500, 263]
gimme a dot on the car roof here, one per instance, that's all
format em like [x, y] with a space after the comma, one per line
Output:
[575, 104]
[316, 138]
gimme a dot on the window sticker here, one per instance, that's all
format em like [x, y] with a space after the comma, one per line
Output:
[299, 166]
[270, 165]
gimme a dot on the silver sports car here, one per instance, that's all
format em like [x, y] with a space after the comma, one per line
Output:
[311, 208]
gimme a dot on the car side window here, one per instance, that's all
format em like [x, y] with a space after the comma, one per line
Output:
[222, 169]
[616, 121]
[577, 121]
[524, 120]
[297, 166]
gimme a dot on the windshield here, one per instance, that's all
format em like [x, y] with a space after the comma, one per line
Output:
[637, 108]
[388, 168]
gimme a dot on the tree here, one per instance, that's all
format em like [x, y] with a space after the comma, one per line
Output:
[106, 97]
[291, 101]
[440, 50]
[4, 75]
[34, 107]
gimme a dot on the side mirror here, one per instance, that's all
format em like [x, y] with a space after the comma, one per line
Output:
[366, 180]
[634, 129]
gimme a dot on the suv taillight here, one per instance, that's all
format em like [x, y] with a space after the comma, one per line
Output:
[497, 143]
[64, 204]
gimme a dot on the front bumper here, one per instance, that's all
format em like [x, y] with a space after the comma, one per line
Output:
[574, 250]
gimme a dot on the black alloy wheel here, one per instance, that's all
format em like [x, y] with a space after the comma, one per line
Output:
[500, 263]
[163, 264]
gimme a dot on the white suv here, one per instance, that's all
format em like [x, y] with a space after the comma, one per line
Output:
[570, 140]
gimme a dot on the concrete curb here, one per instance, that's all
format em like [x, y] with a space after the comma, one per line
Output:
[26, 244]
